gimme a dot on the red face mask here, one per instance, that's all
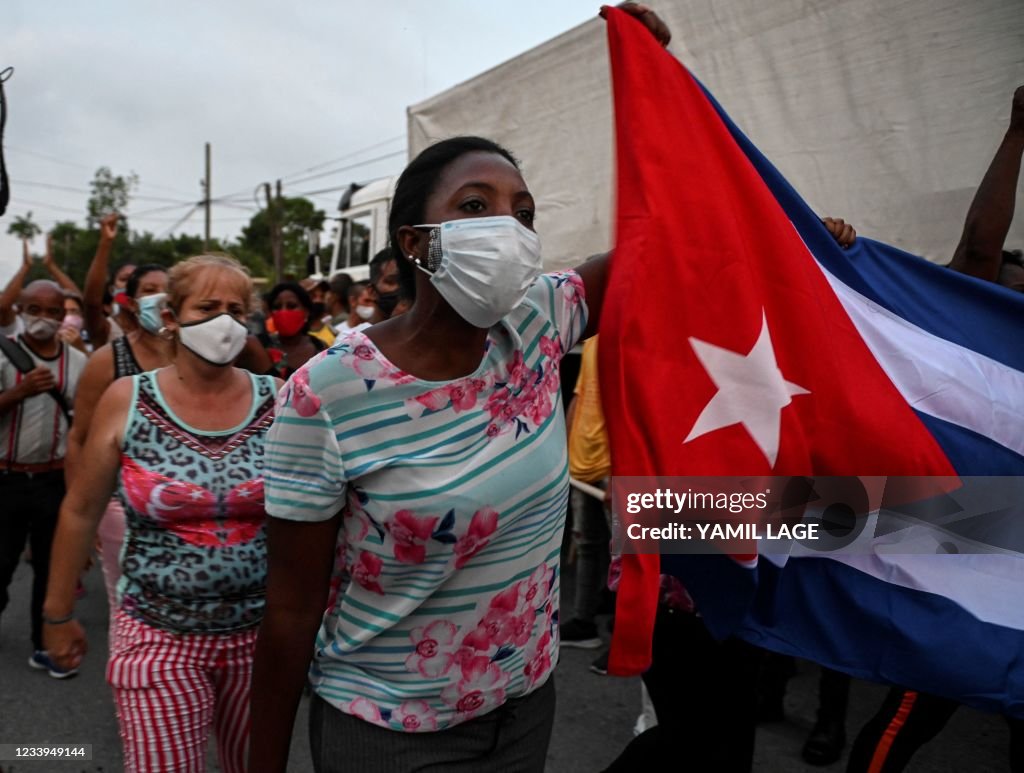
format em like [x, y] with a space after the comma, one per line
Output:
[289, 322]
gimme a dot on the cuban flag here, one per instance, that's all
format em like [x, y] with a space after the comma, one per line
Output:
[737, 338]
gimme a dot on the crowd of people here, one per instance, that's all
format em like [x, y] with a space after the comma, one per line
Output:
[360, 488]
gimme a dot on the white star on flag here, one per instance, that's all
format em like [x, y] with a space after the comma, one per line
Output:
[751, 391]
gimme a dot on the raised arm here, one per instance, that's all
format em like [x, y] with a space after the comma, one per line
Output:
[12, 292]
[66, 283]
[96, 377]
[300, 556]
[96, 323]
[80, 514]
[980, 250]
[594, 272]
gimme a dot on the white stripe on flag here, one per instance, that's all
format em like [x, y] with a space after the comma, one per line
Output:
[938, 377]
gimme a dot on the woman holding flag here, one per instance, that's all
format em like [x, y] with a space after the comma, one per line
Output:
[424, 462]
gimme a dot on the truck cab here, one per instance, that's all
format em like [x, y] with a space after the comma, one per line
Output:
[362, 226]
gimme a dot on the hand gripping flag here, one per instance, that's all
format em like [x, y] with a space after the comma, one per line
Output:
[739, 339]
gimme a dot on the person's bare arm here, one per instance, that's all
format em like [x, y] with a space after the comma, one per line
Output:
[300, 557]
[66, 283]
[96, 377]
[96, 324]
[980, 251]
[80, 514]
[12, 292]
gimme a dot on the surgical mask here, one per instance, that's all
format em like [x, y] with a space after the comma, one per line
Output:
[218, 340]
[150, 308]
[483, 266]
[40, 328]
[289, 322]
[365, 312]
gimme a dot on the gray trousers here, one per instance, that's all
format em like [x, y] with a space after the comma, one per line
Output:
[591, 534]
[511, 739]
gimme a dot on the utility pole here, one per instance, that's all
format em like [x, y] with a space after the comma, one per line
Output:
[274, 222]
[206, 200]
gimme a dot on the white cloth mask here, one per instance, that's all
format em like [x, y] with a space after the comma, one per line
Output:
[487, 264]
[40, 328]
[365, 312]
[218, 340]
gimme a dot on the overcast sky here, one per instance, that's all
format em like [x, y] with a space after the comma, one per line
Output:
[276, 89]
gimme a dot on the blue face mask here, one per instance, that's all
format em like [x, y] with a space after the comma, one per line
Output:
[150, 307]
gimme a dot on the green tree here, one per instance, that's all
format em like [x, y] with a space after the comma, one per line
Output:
[110, 193]
[24, 228]
[296, 215]
[65, 235]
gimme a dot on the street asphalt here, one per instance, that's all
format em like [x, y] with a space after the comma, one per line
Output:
[594, 719]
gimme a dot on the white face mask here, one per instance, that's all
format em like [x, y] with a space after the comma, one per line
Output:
[218, 340]
[486, 265]
[365, 312]
[40, 328]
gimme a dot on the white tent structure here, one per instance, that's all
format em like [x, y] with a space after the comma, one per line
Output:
[883, 112]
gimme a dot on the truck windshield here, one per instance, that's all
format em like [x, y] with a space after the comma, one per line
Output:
[356, 240]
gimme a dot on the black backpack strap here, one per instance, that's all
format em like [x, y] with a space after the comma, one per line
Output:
[21, 360]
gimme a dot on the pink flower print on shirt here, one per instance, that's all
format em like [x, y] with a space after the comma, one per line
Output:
[304, 400]
[552, 382]
[576, 290]
[481, 688]
[551, 347]
[539, 663]
[366, 710]
[363, 360]
[483, 524]
[414, 716]
[498, 399]
[434, 400]
[410, 531]
[536, 587]
[434, 650]
[540, 408]
[520, 628]
[464, 393]
[357, 525]
[516, 369]
[366, 571]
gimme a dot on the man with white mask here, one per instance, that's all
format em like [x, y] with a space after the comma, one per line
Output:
[34, 426]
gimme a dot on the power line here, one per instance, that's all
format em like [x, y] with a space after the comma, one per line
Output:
[47, 157]
[333, 161]
[187, 215]
[18, 201]
[161, 209]
[388, 141]
[56, 187]
[78, 165]
[346, 168]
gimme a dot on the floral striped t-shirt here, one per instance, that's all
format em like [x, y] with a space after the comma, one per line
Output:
[444, 599]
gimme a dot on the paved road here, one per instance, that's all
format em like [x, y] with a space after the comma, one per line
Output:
[594, 719]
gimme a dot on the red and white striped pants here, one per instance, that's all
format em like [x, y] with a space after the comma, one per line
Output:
[171, 688]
